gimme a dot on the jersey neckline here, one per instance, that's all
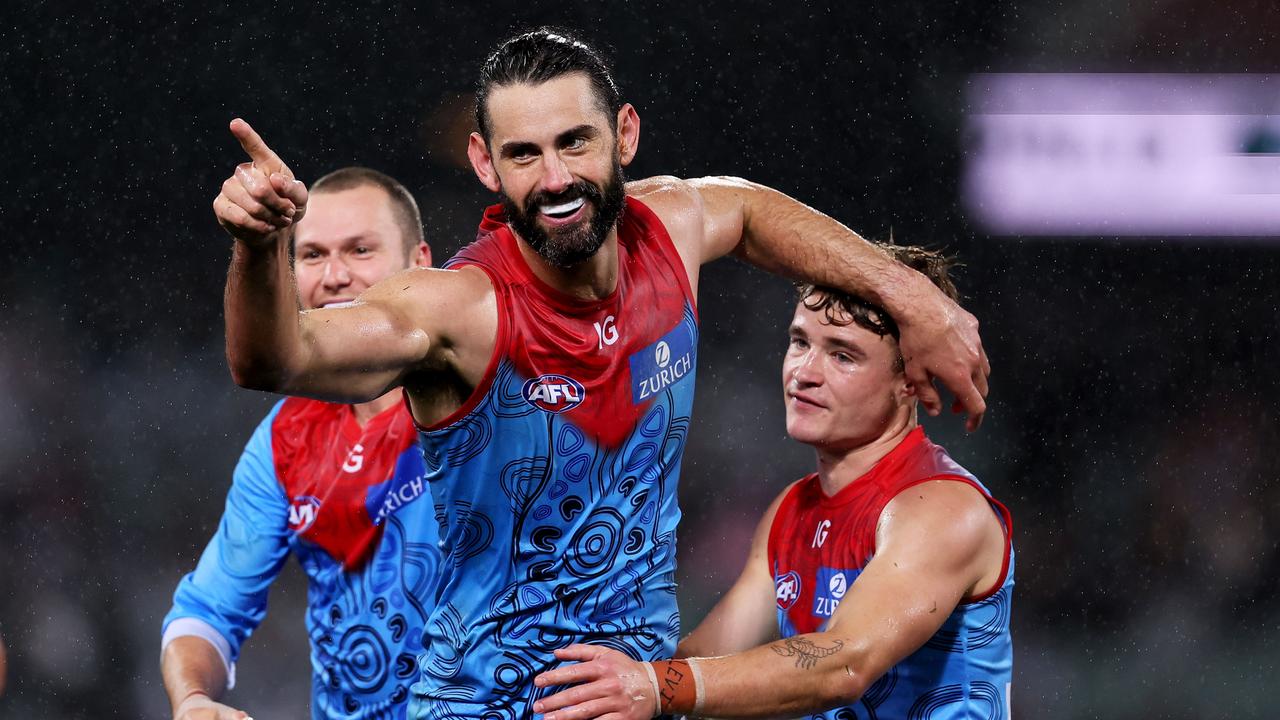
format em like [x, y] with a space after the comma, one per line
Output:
[847, 493]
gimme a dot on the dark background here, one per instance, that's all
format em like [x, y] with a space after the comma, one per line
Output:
[1132, 428]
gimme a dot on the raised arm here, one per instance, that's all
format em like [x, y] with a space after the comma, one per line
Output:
[747, 615]
[350, 354]
[715, 216]
[937, 544]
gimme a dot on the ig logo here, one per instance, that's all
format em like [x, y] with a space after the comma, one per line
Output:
[820, 535]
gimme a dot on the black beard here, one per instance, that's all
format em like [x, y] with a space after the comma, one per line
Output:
[569, 247]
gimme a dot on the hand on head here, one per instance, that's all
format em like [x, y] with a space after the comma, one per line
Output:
[261, 197]
[948, 349]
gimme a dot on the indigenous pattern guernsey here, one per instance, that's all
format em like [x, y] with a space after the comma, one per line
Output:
[818, 546]
[555, 483]
[351, 504]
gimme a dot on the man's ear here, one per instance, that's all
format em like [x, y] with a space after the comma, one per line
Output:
[482, 162]
[904, 389]
[628, 133]
[421, 257]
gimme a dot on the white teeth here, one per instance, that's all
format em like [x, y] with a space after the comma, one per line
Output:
[565, 208]
[347, 303]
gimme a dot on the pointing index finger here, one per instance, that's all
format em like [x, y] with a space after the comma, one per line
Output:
[263, 157]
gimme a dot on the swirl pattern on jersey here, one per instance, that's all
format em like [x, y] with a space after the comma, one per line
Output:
[555, 484]
[366, 625]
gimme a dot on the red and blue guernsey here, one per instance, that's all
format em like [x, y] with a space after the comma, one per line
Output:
[818, 545]
[353, 505]
[555, 483]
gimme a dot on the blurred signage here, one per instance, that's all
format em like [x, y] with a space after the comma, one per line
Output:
[1123, 154]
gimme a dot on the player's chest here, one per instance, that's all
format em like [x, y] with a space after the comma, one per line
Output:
[817, 559]
[600, 370]
[348, 479]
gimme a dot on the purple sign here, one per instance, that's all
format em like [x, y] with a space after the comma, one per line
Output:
[1124, 154]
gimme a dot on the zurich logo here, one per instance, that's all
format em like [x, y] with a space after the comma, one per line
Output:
[787, 590]
[553, 393]
[838, 586]
[662, 354]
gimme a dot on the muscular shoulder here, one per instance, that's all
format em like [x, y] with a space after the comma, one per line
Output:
[433, 294]
[662, 189]
[949, 506]
[455, 309]
[674, 200]
[947, 521]
[431, 284]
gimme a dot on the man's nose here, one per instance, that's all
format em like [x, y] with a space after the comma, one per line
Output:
[808, 369]
[336, 274]
[556, 177]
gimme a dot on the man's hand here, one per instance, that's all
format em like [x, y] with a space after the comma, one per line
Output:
[608, 683]
[261, 197]
[941, 341]
[199, 706]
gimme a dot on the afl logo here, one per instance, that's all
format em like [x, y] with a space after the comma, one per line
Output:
[662, 354]
[302, 513]
[553, 393]
[787, 590]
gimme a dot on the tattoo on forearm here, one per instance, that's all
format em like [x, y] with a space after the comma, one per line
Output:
[806, 653]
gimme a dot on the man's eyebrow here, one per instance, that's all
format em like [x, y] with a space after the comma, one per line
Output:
[846, 345]
[344, 241]
[584, 131]
[513, 148]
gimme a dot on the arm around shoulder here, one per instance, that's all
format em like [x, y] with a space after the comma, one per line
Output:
[715, 216]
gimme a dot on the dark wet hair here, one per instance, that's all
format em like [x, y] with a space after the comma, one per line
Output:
[403, 207]
[538, 56]
[843, 309]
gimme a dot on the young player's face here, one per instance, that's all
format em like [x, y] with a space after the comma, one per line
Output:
[557, 163]
[348, 241]
[841, 384]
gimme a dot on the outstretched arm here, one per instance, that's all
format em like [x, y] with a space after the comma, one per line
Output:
[350, 354]
[715, 216]
[938, 544]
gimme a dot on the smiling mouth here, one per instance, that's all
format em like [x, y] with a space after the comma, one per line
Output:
[806, 401]
[563, 210]
[339, 304]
